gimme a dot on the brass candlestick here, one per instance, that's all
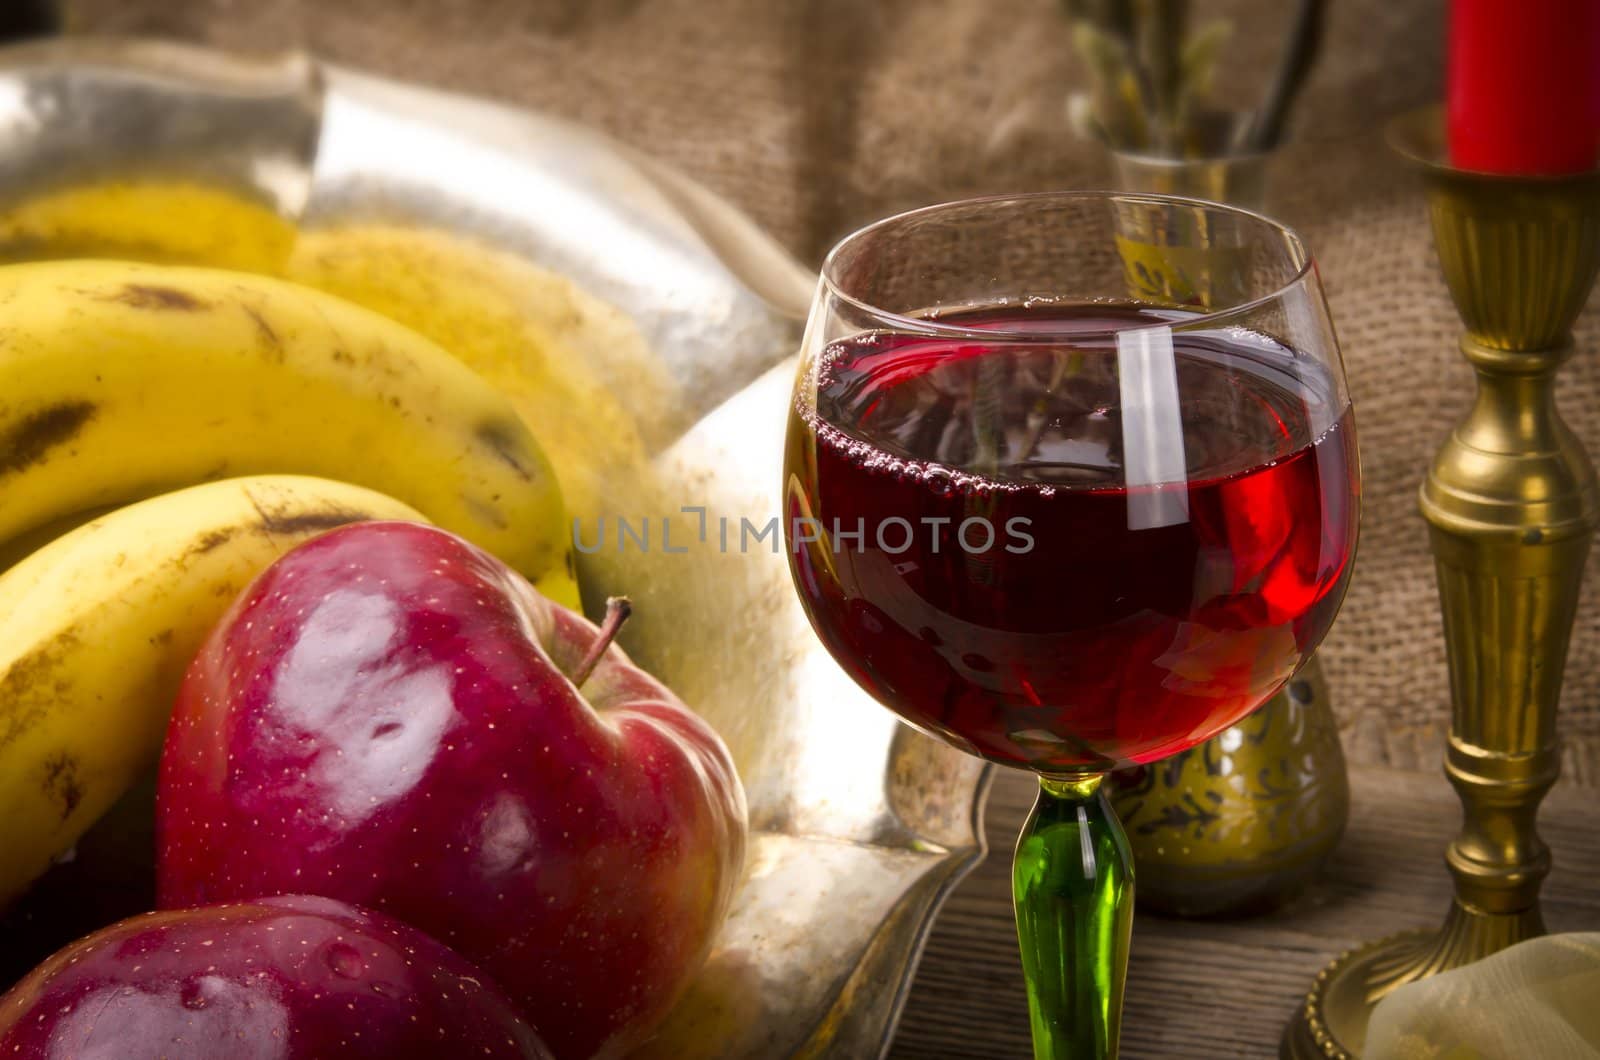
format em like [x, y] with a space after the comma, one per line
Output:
[1511, 503]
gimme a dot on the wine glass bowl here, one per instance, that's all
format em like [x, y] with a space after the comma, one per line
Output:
[1071, 482]
[1059, 523]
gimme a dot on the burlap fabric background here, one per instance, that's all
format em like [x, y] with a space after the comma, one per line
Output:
[816, 116]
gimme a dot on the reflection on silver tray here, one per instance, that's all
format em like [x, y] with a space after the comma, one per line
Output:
[861, 826]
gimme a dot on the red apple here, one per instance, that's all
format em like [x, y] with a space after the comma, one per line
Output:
[295, 977]
[393, 717]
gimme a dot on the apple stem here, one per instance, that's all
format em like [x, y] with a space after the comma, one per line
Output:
[618, 608]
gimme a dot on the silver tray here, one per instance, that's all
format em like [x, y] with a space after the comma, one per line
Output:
[860, 826]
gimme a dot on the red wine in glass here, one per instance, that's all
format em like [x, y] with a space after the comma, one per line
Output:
[971, 541]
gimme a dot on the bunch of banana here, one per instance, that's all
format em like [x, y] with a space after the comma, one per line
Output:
[122, 381]
[97, 628]
[576, 369]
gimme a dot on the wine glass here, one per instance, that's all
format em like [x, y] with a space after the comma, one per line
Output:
[1071, 483]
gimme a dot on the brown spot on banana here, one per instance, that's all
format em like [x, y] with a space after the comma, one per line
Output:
[212, 540]
[28, 441]
[62, 784]
[487, 514]
[310, 522]
[269, 337]
[32, 685]
[502, 439]
[152, 296]
[382, 360]
[278, 519]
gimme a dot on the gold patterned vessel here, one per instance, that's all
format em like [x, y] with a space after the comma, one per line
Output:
[1243, 821]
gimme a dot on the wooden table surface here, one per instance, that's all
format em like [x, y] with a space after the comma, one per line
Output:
[1223, 989]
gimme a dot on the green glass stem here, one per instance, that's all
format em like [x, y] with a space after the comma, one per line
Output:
[1072, 883]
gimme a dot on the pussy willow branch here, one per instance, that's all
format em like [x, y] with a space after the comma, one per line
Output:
[1305, 39]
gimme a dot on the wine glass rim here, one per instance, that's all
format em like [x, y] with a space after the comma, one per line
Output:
[1203, 318]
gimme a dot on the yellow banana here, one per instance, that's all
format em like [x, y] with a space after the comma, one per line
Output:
[578, 370]
[127, 380]
[97, 627]
[161, 221]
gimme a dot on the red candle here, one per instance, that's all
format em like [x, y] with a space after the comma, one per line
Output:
[1524, 85]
